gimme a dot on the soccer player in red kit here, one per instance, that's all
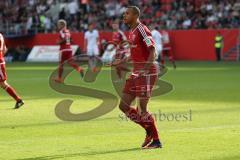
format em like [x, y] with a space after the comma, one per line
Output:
[141, 81]
[118, 39]
[3, 76]
[66, 54]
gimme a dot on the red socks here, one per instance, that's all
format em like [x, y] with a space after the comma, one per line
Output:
[149, 120]
[60, 71]
[146, 121]
[75, 66]
[72, 64]
[12, 93]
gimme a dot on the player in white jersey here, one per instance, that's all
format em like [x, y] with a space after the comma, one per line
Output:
[158, 39]
[91, 41]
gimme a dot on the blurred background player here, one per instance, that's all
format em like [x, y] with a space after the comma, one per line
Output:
[3, 75]
[167, 50]
[91, 41]
[118, 39]
[157, 37]
[142, 79]
[218, 45]
[66, 53]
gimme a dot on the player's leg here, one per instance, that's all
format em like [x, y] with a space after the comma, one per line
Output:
[148, 81]
[125, 104]
[119, 72]
[218, 54]
[159, 60]
[90, 54]
[95, 58]
[60, 68]
[90, 62]
[60, 72]
[71, 62]
[162, 59]
[171, 58]
[158, 54]
[126, 100]
[4, 85]
[76, 67]
[130, 111]
[159, 57]
[11, 91]
[151, 128]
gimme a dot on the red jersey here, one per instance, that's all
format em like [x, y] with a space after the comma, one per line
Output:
[2, 49]
[65, 34]
[118, 37]
[141, 40]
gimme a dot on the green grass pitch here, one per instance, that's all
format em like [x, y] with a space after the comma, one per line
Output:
[210, 90]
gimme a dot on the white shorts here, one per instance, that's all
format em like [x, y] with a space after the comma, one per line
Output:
[158, 50]
[93, 51]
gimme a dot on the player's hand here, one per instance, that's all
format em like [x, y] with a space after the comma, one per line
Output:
[143, 72]
[116, 62]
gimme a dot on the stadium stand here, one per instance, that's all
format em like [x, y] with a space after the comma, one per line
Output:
[24, 17]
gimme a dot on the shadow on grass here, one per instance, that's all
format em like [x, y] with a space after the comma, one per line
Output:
[80, 154]
[233, 157]
[53, 123]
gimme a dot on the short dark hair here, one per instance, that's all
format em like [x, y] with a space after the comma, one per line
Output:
[135, 9]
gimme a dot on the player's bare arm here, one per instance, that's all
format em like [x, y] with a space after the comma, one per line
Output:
[5, 50]
[121, 61]
[151, 58]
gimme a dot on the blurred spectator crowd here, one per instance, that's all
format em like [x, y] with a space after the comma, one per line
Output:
[32, 16]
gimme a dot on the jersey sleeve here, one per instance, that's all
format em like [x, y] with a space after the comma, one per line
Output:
[146, 36]
[85, 35]
[97, 34]
[3, 47]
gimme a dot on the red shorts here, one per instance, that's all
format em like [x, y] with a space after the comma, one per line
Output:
[140, 86]
[3, 74]
[65, 55]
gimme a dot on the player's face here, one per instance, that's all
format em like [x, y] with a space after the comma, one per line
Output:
[90, 27]
[128, 16]
[115, 26]
[59, 26]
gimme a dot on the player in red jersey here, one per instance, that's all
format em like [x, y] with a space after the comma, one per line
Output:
[143, 77]
[66, 54]
[121, 52]
[3, 76]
